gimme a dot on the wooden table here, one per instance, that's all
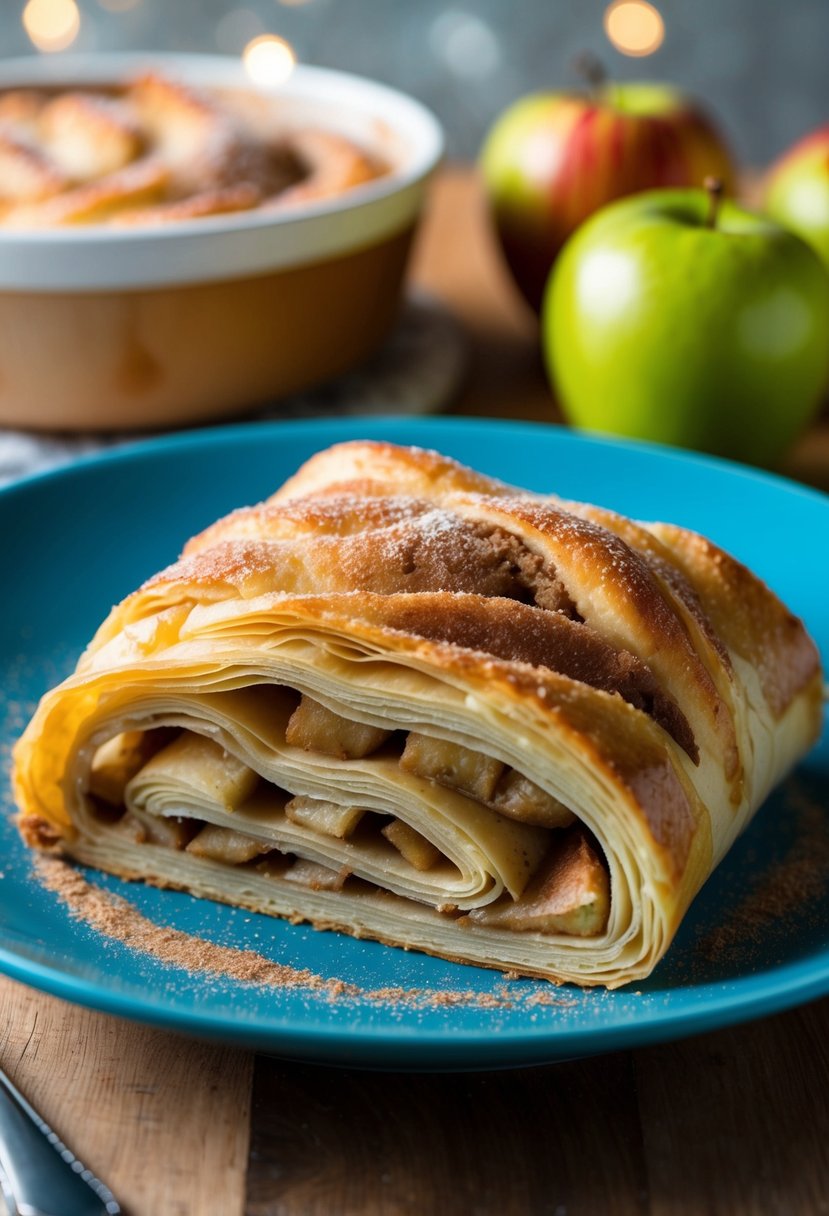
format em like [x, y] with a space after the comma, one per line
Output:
[733, 1123]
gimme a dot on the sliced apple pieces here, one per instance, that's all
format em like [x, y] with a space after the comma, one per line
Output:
[411, 845]
[451, 764]
[484, 779]
[200, 768]
[569, 894]
[317, 877]
[225, 844]
[329, 818]
[519, 798]
[26, 173]
[116, 762]
[168, 831]
[315, 728]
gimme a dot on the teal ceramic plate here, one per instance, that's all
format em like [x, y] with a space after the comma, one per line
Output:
[76, 540]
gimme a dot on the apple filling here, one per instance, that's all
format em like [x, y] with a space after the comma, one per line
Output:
[316, 728]
[154, 151]
[534, 868]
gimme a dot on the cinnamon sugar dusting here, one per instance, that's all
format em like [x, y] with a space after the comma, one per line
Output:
[797, 882]
[117, 919]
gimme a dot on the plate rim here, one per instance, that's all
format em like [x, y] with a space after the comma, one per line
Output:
[758, 997]
[207, 436]
[751, 995]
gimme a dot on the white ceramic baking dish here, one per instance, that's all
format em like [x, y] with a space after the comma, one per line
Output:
[107, 328]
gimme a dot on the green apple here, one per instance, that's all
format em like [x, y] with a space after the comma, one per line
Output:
[553, 159]
[797, 190]
[673, 318]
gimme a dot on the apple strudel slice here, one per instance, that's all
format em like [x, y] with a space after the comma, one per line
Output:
[406, 701]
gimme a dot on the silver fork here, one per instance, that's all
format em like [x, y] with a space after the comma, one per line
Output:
[39, 1175]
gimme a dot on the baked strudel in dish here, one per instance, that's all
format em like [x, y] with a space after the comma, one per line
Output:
[155, 151]
[406, 701]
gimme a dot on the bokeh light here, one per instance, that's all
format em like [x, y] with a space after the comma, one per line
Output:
[52, 25]
[466, 43]
[634, 27]
[269, 60]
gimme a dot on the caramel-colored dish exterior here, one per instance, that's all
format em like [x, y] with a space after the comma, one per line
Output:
[150, 358]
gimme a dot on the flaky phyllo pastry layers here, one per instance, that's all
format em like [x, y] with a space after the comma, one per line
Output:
[409, 702]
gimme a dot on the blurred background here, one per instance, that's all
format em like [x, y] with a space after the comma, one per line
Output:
[761, 64]
[464, 338]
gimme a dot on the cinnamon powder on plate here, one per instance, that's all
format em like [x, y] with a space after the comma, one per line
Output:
[117, 919]
[790, 886]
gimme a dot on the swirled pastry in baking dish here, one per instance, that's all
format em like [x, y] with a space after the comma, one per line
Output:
[155, 151]
[409, 702]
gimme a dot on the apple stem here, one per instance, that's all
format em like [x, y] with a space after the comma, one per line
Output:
[714, 187]
[592, 71]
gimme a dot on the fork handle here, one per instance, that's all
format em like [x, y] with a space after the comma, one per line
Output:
[40, 1174]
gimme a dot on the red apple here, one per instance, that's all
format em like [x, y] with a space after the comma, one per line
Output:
[797, 190]
[552, 159]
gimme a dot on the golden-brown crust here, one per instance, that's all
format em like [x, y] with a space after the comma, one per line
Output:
[386, 468]
[351, 508]
[40, 833]
[450, 534]
[752, 621]
[73, 157]
[331, 164]
[632, 671]
[518, 633]
[21, 107]
[89, 135]
[26, 174]
[224, 201]
[136, 184]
